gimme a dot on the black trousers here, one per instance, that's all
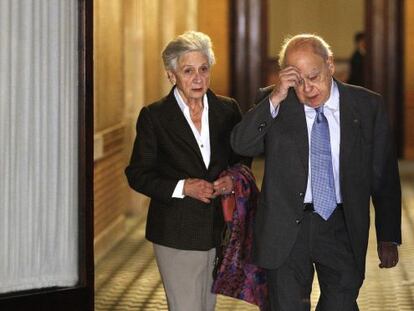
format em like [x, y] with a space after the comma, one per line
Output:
[323, 246]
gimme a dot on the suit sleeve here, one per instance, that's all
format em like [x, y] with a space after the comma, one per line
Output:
[386, 194]
[236, 158]
[143, 172]
[247, 137]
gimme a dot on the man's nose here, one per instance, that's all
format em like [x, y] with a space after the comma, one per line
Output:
[307, 87]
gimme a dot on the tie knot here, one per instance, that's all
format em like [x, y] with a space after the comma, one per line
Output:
[319, 109]
[319, 113]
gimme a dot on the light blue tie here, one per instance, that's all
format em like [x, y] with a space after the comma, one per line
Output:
[323, 185]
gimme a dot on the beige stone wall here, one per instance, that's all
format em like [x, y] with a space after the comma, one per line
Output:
[134, 51]
[409, 79]
[217, 26]
[336, 21]
[108, 64]
[109, 184]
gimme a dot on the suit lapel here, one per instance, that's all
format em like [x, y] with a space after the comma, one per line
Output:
[177, 123]
[214, 120]
[293, 115]
[349, 123]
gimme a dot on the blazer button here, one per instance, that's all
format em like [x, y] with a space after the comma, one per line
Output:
[301, 194]
[297, 221]
[261, 126]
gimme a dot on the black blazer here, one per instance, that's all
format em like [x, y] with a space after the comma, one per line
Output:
[368, 169]
[165, 151]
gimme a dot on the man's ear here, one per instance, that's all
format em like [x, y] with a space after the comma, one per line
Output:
[331, 65]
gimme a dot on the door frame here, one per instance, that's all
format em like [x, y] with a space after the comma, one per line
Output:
[81, 296]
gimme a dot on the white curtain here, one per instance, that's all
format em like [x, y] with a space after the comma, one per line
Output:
[38, 144]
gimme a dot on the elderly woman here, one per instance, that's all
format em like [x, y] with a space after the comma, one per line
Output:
[181, 147]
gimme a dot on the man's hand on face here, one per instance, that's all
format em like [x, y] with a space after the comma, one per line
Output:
[288, 77]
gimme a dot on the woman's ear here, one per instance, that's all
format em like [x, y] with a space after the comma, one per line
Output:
[171, 77]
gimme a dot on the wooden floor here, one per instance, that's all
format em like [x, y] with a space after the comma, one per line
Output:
[127, 277]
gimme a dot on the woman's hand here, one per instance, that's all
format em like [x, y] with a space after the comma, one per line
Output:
[199, 189]
[223, 185]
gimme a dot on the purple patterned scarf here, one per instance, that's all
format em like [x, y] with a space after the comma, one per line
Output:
[236, 276]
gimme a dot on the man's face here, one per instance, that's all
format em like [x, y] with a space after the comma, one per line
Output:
[316, 75]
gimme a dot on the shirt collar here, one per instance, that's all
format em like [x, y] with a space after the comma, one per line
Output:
[183, 106]
[333, 101]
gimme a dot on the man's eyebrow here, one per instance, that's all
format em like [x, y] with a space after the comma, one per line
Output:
[313, 72]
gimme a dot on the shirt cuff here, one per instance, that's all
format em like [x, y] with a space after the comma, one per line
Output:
[178, 191]
[273, 111]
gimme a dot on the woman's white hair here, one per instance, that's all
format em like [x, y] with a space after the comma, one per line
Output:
[189, 41]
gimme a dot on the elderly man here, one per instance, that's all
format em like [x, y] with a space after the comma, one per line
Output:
[328, 150]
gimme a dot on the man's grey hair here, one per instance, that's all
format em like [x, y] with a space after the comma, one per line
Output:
[319, 46]
[189, 41]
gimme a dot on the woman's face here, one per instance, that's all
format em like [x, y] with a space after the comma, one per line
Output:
[192, 76]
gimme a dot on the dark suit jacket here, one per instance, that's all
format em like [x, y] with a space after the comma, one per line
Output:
[368, 169]
[165, 151]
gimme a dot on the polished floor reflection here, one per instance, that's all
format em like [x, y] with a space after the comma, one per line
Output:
[127, 277]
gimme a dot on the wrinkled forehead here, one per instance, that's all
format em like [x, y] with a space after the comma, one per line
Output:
[303, 57]
[192, 57]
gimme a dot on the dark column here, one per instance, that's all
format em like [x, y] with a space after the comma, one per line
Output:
[248, 49]
[384, 28]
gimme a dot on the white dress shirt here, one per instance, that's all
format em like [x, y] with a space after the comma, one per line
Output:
[331, 112]
[202, 138]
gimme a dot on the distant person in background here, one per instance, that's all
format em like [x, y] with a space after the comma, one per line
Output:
[357, 62]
